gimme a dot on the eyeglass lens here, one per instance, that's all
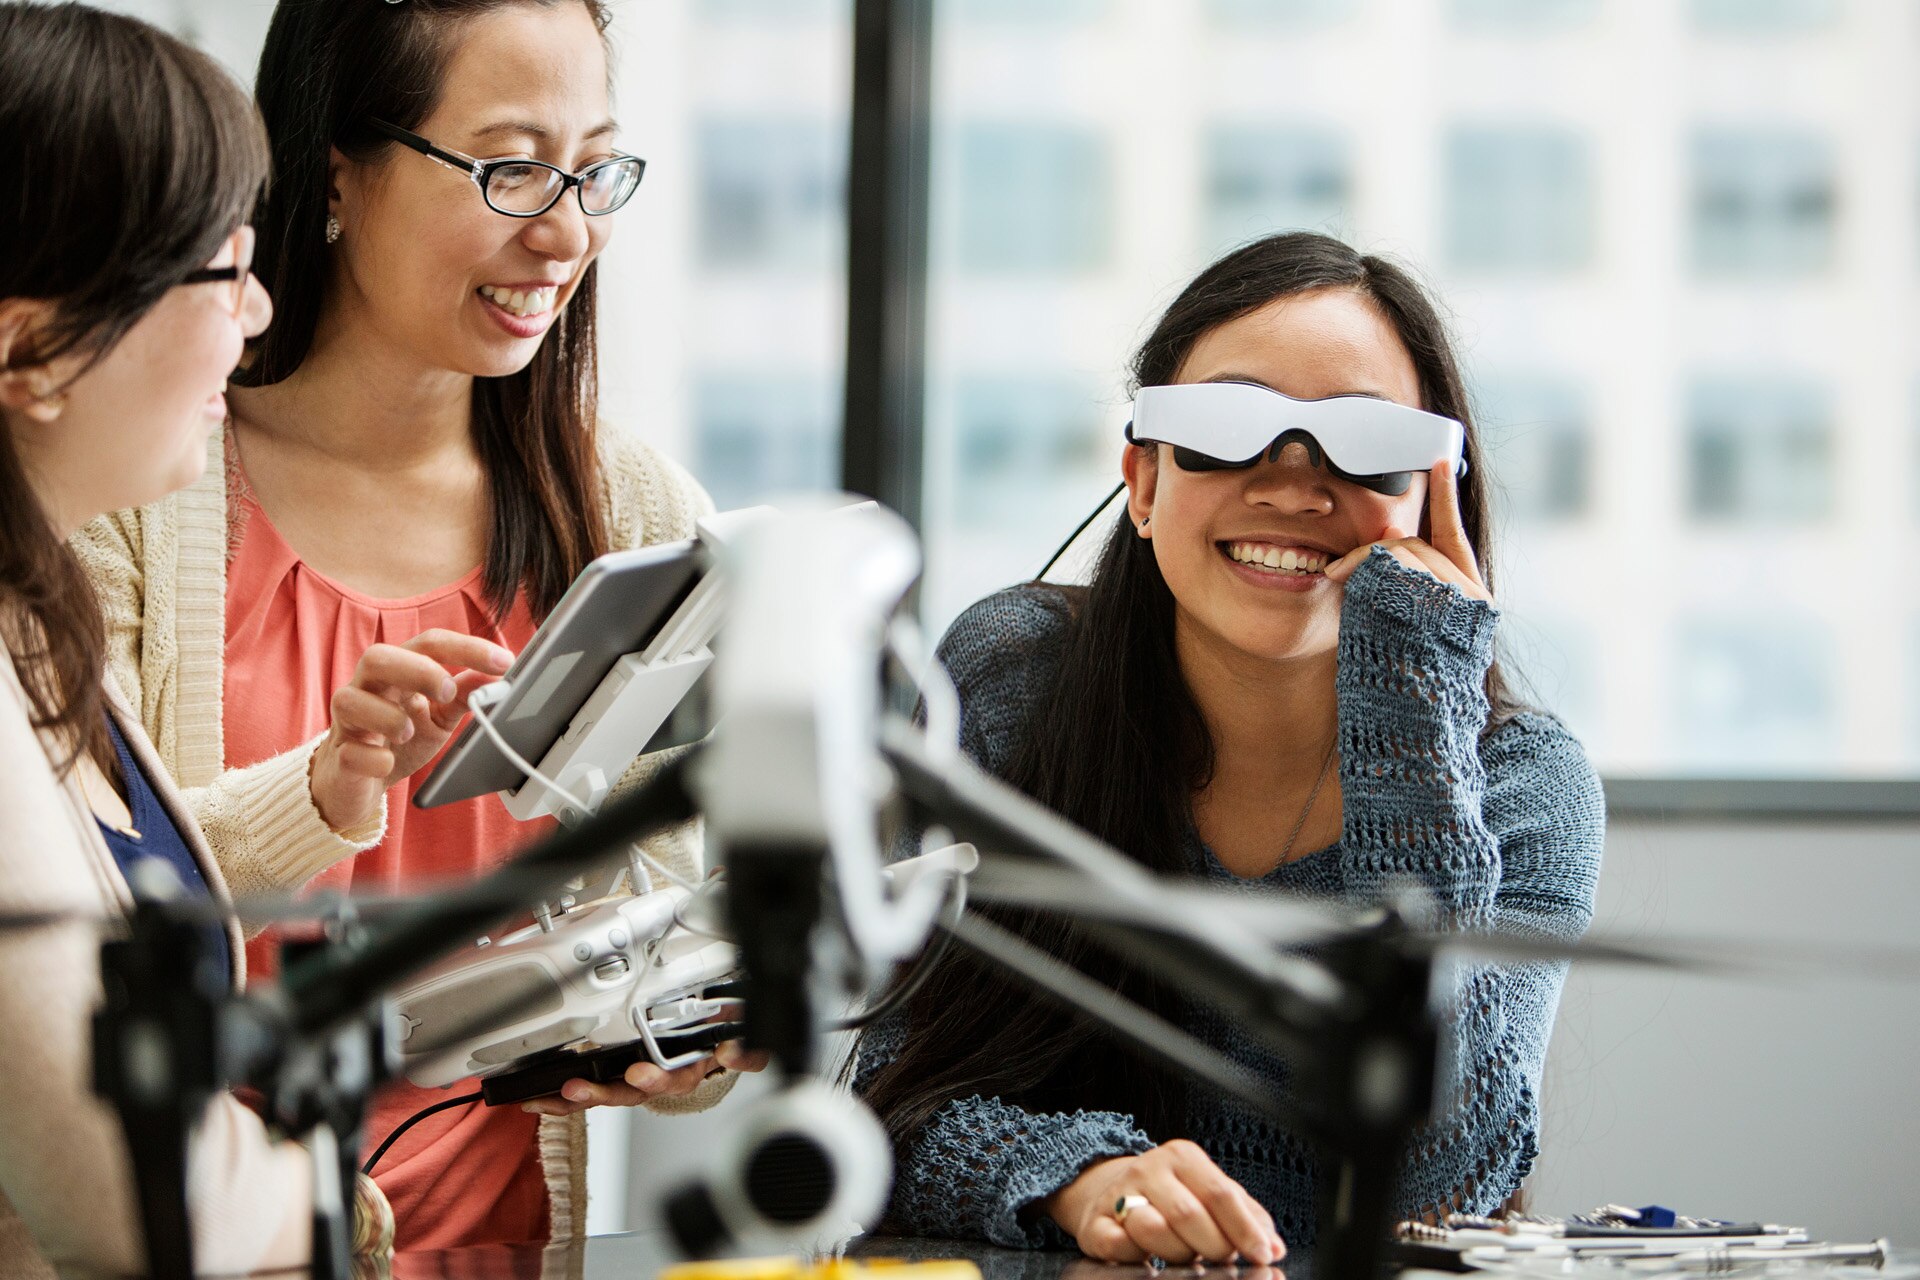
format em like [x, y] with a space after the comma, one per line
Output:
[533, 188]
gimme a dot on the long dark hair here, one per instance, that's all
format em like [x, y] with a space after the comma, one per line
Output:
[132, 157]
[1120, 747]
[330, 66]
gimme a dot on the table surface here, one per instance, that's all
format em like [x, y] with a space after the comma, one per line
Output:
[641, 1255]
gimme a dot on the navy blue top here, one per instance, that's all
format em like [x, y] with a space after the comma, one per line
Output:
[154, 835]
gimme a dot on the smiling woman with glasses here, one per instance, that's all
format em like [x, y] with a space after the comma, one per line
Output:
[413, 473]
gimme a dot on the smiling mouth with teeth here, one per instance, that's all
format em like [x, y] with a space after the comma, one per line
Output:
[1265, 556]
[520, 302]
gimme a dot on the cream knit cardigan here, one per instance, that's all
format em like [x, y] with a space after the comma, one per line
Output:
[66, 1185]
[161, 575]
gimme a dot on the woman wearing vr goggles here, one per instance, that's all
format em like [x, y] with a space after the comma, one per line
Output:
[1281, 675]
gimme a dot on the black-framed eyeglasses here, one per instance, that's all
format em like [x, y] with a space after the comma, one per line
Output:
[233, 275]
[528, 188]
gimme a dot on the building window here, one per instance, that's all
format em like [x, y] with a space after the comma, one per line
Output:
[761, 434]
[1022, 11]
[783, 10]
[1549, 662]
[1743, 16]
[1759, 449]
[1522, 15]
[772, 194]
[1536, 437]
[1913, 696]
[1518, 199]
[1754, 693]
[1034, 197]
[1017, 437]
[1262, 179]
[1763, 202]
[1280, 13]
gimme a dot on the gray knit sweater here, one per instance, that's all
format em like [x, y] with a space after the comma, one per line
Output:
[1504, 829]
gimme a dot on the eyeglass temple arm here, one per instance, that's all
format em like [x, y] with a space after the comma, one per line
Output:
[452, 159]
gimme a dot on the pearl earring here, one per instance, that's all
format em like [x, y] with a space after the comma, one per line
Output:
[333, 229]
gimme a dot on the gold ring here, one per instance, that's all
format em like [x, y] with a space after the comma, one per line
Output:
[1127, 1204]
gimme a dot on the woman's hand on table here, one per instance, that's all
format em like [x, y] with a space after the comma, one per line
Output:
[1179, 1207]
[1449, 557]
[402, 705]
[645, 1082]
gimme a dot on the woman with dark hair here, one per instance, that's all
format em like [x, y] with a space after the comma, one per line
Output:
[125, 298]
[411, 476]
[1280, 676]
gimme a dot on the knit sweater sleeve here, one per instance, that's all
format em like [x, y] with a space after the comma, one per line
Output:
[974, 1168]
[1502, 830]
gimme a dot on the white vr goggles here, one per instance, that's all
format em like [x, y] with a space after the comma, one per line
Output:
[1221, 426]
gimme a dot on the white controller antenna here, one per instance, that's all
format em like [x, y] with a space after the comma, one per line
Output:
[799, 691]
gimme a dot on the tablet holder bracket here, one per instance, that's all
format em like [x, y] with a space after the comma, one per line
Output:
[612, 728]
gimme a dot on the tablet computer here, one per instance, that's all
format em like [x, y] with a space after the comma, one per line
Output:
[612, 609]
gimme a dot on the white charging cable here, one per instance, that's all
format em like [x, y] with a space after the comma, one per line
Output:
[478, 706]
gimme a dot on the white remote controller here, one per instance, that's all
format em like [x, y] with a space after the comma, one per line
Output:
[611, 972]
[629, 969]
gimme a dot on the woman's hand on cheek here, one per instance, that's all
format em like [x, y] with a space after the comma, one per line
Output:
[394, 716]
[1449, 557]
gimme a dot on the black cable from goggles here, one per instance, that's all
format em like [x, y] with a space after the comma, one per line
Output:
[1075, 535]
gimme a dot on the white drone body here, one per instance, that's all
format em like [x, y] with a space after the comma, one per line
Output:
[611, 972]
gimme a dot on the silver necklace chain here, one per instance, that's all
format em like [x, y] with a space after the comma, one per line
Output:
[1326, 768]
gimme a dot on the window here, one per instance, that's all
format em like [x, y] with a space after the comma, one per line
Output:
[1912, 673]
[763, 434]
[784, 10]
[1759, 449]
[1023, 458]
[1281, 13]
[1754, 693]
[1659, 436]
[771, 193]
[1549, 663]
[1022, 11]
[1743, 16]
[1536, 440]
[1261, 179]
[1518, 198]
[1522, 15]
[1035, 196]
[1763, 202]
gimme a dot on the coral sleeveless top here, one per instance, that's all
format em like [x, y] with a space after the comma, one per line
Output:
[468, 1175]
